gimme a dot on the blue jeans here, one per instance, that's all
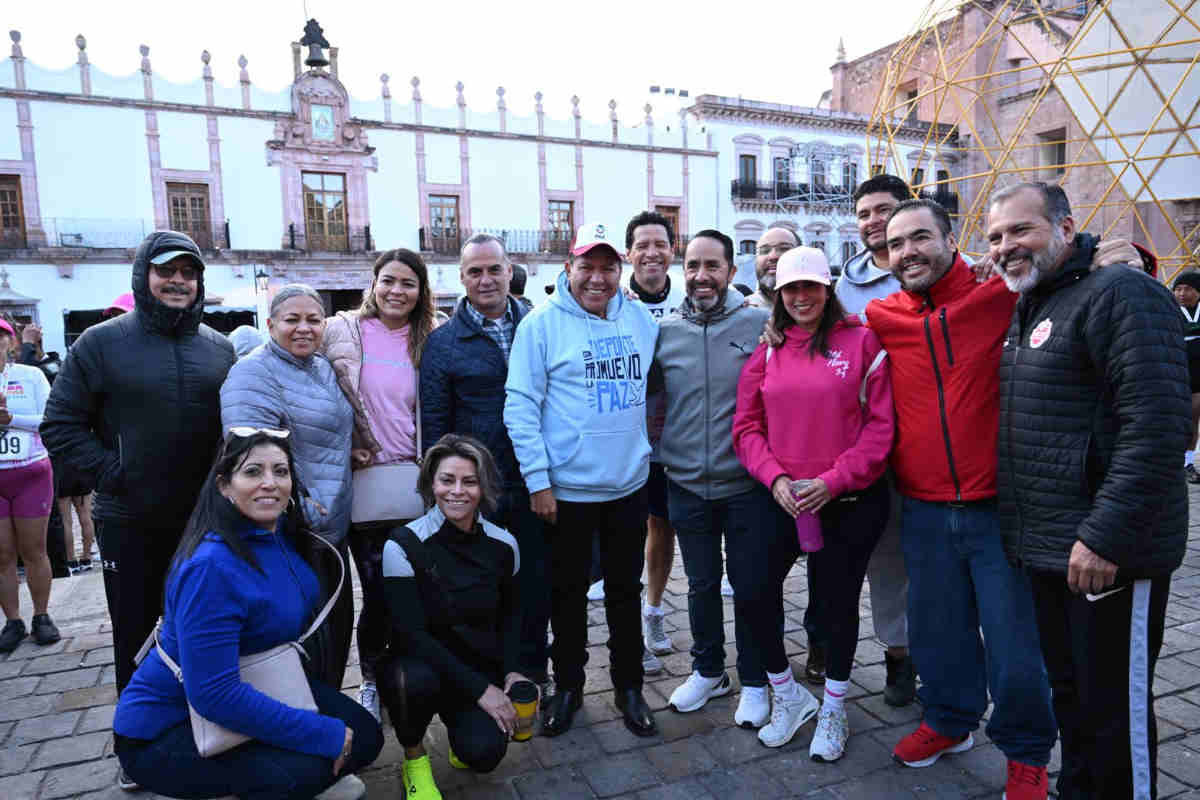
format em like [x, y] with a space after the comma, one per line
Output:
[760, 549]
[170, 764]
[960, 582]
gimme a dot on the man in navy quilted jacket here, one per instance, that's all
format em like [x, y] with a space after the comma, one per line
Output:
[463, 370]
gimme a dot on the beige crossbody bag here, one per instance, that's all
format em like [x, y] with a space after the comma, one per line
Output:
[384, 492]
[277, 673]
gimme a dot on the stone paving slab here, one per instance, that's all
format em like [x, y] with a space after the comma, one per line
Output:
[57, 702]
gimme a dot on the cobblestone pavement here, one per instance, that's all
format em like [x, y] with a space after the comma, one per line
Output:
[56, 706]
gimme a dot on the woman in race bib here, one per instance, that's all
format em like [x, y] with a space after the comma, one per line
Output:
[26, 492]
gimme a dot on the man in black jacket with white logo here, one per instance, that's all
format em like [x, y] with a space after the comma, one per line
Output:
[136, 408]
[1094, 411]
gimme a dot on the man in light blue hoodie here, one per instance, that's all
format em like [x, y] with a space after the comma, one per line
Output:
[575, 409]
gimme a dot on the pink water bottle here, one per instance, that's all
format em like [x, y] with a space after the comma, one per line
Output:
[808, 526]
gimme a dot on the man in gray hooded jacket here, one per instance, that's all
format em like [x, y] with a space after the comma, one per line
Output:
[697, 362]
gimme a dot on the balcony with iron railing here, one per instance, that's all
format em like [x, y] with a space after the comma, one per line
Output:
[787, 192]
[100, 233]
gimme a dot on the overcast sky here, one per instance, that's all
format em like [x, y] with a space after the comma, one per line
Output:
[615, 49]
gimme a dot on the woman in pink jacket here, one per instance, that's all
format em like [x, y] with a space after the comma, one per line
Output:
[819, 409]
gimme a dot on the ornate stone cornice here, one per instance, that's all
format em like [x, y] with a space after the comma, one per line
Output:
[365, 124]
[717, 107]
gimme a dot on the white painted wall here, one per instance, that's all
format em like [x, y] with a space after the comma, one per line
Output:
[392, 191]
[253, 197]
[668, 174]
[442, 159]
[182, 140]
[504, 184]
[614, 184]
[103, 175]
[560, 167]
[10, 137]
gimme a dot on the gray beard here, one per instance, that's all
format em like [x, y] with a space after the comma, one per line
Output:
[1024, 284]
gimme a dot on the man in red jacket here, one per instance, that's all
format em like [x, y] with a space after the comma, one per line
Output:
[943, 334]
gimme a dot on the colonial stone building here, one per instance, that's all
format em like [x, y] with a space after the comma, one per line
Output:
[1097, 97]
[308, 184]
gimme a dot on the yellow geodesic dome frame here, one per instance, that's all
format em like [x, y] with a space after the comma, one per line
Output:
[1120, 75]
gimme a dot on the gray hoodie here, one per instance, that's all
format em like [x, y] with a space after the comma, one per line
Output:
[697, 362]
[862, 282]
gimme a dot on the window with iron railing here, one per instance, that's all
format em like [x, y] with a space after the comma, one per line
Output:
[325, 212]
[444, 236]
[561, 216]
[12, 212]
[187, 207]
[748, 169]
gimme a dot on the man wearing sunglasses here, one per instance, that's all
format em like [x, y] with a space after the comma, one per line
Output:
[136, 406]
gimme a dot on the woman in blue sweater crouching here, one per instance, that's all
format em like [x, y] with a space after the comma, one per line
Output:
[241, 582]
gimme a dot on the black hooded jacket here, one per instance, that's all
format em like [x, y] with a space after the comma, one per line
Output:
[137, 403]
[1094, 416]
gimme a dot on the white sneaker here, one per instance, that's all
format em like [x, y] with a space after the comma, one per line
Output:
[829, 739]
[754, 707]
[692, 694]
[368, 698]
[651, 665]
[348, 787]
[126, 783]
[656, 638]
[596, 590]
[726, 587]
[788, 714]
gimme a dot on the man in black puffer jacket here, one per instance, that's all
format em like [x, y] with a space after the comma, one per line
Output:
[137, 408]
[1094, 411]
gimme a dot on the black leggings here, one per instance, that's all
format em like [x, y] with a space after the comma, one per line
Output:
[413, 693]
[851, 528]
[366, 545]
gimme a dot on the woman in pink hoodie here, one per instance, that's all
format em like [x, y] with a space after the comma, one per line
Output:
[819, 409]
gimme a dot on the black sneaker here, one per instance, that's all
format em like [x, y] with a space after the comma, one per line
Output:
[11, 636]
[1190, 473]
[44, 630]
[814, 670]
[901, 686]
[72, 568]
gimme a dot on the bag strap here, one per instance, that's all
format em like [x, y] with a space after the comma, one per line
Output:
[177, 670]
[420, 452]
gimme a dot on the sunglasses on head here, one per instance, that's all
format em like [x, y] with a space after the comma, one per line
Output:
[167, 271]
[242, 431]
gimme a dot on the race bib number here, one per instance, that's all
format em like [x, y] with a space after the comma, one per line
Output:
[15, 445]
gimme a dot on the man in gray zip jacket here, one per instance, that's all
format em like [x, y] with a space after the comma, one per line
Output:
[697, 362]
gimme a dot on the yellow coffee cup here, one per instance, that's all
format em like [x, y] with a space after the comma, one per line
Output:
[524, 697]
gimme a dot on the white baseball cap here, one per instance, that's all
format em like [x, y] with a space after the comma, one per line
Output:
[593, 235]
[802, 264]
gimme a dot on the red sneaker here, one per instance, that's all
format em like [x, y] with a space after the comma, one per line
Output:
[924, 746]
[1026, 782]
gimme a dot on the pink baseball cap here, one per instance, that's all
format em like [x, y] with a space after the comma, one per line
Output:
[802, 264]
[123, 304]
[5, 327]
[593, 235]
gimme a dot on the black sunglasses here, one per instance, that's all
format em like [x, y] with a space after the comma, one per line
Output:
[167, 271]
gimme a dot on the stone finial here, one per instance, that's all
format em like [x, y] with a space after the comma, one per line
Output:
[244, 79]
[460, 100]
[541, 113]
[205, 58]
[841, 51]
[648, 108]
[502, 109]
[147, 73]
[537, 99]
[500, 98]
[85, 73]
[16, 44]
[612, 110]
[462, 106]
[296, 70]
[387, 93]
[575, 105]
[333, 53]
[416, 84]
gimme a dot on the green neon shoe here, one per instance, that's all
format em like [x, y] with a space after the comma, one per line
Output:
[417, 775]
